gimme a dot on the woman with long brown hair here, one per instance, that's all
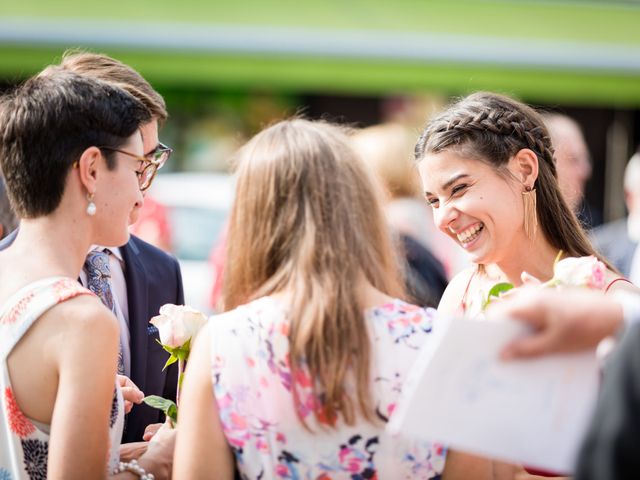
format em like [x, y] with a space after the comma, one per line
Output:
[298, 378]
[488, 171]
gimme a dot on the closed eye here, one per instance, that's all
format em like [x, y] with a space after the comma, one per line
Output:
[459, 189]
[433, 201]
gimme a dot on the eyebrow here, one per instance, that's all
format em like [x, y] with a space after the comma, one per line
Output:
[450, 182]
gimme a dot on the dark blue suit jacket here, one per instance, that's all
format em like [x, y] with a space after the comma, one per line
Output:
[153, 278]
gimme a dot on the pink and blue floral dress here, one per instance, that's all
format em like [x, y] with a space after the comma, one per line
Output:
[252, 382]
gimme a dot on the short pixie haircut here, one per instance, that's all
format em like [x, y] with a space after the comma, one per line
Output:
[47, 123]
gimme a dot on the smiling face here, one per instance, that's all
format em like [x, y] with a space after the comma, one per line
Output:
[479, 209]
[118, 197]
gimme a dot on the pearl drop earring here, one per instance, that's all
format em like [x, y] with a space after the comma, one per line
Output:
[91, 207]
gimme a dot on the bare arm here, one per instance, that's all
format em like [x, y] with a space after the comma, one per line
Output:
[85, 350]
[454, 293]
[202, 450]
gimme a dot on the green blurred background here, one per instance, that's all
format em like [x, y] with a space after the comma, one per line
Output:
[228, 68]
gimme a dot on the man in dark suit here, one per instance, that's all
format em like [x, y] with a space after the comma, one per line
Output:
[152, 279]
[618, 240]
[143, 278]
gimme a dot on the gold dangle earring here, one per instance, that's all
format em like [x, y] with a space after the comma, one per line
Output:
[530, 215]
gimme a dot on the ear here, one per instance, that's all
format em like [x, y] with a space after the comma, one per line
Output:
[524, 166]
[87, 166]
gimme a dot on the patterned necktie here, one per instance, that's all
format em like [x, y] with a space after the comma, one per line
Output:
[98, 281]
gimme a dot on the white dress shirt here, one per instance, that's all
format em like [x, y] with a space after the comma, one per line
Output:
[119, 291]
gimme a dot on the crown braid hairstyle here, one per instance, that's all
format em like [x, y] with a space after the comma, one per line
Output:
[493, 128]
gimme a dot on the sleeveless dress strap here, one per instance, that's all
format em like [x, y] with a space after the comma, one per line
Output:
[619, 279]
[463, 302]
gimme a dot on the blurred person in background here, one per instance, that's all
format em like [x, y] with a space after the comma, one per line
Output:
[618, 240]
[142, 278]
[273, 384]
[8, 219]
[573, 165]
[387, 149]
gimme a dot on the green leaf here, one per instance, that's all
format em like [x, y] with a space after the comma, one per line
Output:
[495, 292]
[181, 352]
[168, 407]
[172, 413]
[499, 288]
[170, 361]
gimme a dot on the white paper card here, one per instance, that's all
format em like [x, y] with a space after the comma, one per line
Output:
[532, 412]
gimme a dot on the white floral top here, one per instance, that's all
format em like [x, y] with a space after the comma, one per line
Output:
[24, 444]
[252, 384]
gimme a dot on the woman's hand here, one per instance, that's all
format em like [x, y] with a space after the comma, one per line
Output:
[158, 459]
[151, 431]
[132, 451]
[130, 392]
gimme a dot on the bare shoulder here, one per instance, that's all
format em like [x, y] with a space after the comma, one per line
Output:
[615, 283]
[454, 293]
[80, 322]
[84, 312]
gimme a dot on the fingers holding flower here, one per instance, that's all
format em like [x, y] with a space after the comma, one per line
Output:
[130, 392]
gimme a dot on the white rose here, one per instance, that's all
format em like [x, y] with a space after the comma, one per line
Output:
[580, 272]
[177, 324]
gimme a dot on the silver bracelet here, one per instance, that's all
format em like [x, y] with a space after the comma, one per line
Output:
[134, 467]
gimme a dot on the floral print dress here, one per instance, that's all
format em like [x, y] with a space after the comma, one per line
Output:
[24, 444]
[252, 383]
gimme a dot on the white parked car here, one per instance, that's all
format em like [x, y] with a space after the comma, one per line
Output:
[198, 205]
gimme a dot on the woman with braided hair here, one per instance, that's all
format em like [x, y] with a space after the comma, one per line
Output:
[488, 172]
